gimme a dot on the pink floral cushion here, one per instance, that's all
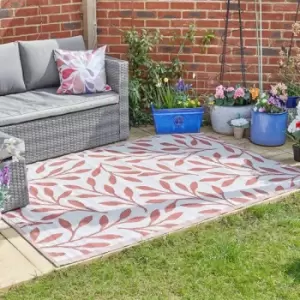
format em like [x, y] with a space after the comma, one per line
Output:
[81, 72]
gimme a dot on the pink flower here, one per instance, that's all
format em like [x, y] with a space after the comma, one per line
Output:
[230, 89]
[219, 92]
[239, 93]
[262, 109]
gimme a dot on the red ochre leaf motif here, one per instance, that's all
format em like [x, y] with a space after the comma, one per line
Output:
[48, 192]
[251, 181]
[228, 182]
[112, 179]
[145, 188]
[69, 178]
[52, 216]
[73, 187]
[40, 169]
[192, 205]
[85, 196]
[278, 179]
[128, 192]
[45, 183]
[182, 186]
[179, 162]
[55, 171]
[109, 189]
[33, 191]
[217, 190]
[154, 215]
[248, 194]
[112, 203]
[170, 207]
[103, 221]
[248, 163]
[58, 163]
[194, 186]
[217, 155]
[109, 236]
[91, 181]
[210, 179]
[165, 185]
[85, 221]
[194, 142]
[209, 211]
[279, 188]
[34, 234]
[96, 172]
[174, 216]
[95, 245]
[77, 204]
[240, 200]
[229, 149]
[205, 142]
[135, 219]
[79, 164]
[65, 194]
[65, 224]
[125, 214]
[51, 238]
[56, 254]
[163, 167]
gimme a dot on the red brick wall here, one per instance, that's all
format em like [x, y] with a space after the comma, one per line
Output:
[39, 19]
[177, 15]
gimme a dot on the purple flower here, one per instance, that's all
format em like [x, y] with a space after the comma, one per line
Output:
[4, 176]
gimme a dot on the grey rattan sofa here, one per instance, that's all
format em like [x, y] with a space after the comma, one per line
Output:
[52, 125]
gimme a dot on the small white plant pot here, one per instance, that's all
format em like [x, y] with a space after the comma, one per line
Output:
[238, 132]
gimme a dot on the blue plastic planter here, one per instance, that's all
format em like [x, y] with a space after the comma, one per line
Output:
[268, 129]
[177, 120]
[292, 101]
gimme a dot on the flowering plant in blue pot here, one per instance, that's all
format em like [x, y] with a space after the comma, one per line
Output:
[269, 117]
[177, 109]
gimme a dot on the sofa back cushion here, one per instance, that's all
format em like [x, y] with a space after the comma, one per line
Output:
[37, 57]
[11, 76]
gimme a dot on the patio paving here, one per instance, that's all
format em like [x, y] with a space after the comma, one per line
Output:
[19, 261]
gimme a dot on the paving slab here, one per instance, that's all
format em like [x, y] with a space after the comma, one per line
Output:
[14, 267]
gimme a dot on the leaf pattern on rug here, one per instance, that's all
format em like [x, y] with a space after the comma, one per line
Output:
[100, 200]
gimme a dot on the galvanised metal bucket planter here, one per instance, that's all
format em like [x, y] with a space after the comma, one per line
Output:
[268, 129]
[221, 115]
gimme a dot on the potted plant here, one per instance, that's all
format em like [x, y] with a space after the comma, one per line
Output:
[176, 109]
[269, 117]
[239, 125]
[227, 103]
[293, 132]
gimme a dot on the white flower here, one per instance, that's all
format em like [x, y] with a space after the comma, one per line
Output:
[239, 122]
[194, 75]
[255, 108]
[158, 84]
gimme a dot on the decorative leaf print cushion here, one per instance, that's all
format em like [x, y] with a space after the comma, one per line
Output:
[81, 72]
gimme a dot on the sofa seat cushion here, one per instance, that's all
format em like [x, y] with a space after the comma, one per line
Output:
[37, 57]
[43, 103]
[11, 75]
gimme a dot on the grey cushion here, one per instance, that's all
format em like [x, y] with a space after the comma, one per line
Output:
[43, 103]
[11, 76]
[37, 57]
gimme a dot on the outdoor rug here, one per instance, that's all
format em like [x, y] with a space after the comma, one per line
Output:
[102, 200]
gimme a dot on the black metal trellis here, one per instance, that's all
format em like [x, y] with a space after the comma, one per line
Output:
[293, 34]
[225, 37]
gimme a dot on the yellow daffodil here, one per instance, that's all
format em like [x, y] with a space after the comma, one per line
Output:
[199, 104]
[192, 102]
[166, 80]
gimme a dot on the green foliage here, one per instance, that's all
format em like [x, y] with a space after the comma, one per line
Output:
[293, 89]
[145, 72]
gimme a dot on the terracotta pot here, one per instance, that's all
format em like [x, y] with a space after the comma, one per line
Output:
[220, 115]
[296, 150]
[238, 132]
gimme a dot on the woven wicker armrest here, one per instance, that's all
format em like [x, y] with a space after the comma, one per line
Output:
[117, 78]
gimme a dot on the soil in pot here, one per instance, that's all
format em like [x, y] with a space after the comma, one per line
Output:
[296, 150]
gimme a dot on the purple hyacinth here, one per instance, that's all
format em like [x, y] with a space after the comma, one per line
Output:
[182, 87]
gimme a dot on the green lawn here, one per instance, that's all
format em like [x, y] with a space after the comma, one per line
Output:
[254, 255]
